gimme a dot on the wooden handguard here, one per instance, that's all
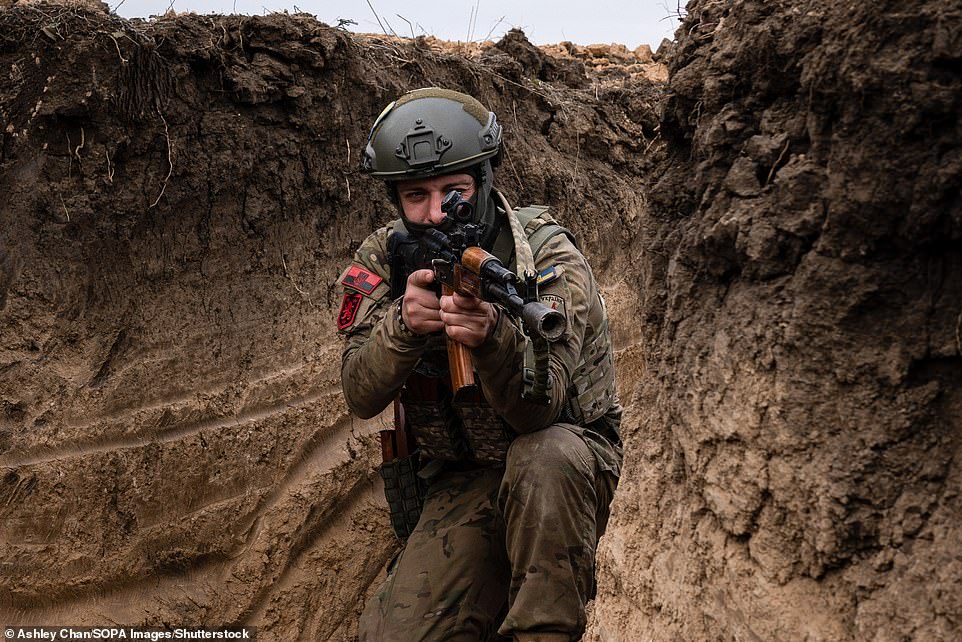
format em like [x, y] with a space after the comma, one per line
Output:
[459, 359]
[474, 258]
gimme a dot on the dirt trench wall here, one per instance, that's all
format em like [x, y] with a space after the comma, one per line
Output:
[794, 459]
[176, 200]
[781, 255]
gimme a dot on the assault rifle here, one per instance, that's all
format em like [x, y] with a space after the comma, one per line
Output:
[461, 266]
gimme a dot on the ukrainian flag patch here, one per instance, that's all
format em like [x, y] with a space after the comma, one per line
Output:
[549, 274]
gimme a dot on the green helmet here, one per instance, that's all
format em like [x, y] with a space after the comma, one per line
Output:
[429, 132]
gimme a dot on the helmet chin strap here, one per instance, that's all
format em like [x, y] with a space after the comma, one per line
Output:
[485, 209]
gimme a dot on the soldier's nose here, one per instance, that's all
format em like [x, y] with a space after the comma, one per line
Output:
[436, 215]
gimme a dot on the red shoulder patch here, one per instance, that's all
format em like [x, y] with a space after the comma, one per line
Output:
[361, 280]
[349, 307]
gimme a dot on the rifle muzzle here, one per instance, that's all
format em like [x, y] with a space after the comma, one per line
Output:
[544, 321]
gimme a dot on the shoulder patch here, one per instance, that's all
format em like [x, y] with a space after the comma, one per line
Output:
[359, 279]
[349, 307]
[549, 274]
[554, 302]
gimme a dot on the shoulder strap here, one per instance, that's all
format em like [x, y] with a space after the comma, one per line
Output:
[539, 227]
[529, 213]
[524, 257]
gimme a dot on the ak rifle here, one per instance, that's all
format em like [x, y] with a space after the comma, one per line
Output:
[461, 265]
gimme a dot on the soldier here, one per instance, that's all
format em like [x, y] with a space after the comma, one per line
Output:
[516, 490]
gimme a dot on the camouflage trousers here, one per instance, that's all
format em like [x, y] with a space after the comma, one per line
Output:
[503, 550]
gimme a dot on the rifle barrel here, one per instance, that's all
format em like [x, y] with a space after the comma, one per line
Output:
[537, 317]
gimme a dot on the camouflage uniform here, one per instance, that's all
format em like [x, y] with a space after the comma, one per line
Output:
[500, 547]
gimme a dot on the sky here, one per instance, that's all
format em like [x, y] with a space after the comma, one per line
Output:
[543, 21]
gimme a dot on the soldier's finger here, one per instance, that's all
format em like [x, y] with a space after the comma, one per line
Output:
[422, 319]
[422, 299]
[469, 336]
[455, 304]
[466, 302]
[421, 278]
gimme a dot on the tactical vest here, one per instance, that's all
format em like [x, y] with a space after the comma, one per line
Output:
[468, 429]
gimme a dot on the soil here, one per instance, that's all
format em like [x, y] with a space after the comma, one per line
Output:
[793, 454]
[776, 228]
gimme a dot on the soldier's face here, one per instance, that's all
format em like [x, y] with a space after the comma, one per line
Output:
[421, 198]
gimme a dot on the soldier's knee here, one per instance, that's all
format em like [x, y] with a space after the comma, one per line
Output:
[549, 452]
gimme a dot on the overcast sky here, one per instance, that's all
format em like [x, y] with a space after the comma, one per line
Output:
[543, 21]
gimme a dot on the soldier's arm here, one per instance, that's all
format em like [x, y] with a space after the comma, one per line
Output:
[379, 353]
[499, 361]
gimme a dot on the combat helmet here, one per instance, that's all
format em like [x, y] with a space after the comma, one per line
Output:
[431, 132]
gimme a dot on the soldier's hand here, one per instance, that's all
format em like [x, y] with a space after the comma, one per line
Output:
[468, 320]
[421, 309]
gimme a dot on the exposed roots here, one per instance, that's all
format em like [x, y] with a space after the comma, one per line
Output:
[293, 282]
[170, 161]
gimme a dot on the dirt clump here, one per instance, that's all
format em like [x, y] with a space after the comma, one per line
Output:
[613, 61]
[565, 63]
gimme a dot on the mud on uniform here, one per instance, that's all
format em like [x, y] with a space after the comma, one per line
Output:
[507, 536]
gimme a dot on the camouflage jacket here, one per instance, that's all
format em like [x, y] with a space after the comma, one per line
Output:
[380, 353]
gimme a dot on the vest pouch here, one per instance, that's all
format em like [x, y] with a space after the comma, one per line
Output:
[428, 416]
[592, 390]
[404, 492]
[487, 436]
